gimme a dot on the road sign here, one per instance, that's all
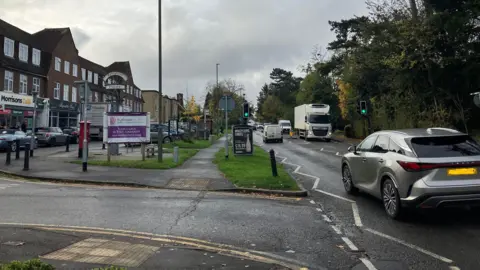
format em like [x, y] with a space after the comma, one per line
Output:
[230, 104]
[242, 140]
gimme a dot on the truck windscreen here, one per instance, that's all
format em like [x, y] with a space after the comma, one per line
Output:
[319, 119]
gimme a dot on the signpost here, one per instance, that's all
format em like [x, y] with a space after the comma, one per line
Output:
[242, 140]
[226, 103]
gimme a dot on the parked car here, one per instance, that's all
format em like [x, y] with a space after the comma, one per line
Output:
[73, 132]
[11, 135]
[419, 168]
[51, 136]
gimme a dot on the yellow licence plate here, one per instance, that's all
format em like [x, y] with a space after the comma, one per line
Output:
[462, 171]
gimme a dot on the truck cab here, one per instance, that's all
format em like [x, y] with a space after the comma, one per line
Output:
[313, 121]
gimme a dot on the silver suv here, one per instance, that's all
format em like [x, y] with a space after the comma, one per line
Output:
[422, 168]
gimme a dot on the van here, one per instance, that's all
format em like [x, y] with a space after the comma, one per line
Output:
[285, 125]
[272, 133]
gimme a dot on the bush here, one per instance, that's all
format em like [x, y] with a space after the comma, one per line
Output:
[34, 264]
[347, 130]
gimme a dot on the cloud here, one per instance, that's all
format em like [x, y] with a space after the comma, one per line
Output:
[247, 37]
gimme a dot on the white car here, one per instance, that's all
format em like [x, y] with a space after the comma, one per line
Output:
[272, 133]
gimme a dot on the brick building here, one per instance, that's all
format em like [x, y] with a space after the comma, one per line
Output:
[49, 62]
[172, 108]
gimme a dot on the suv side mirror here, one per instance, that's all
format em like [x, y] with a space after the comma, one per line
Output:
[352, 148]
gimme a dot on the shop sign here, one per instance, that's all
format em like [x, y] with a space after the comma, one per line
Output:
[62, 105]
[16, 99]
[28, 113]
[5, 111]
[17, 112]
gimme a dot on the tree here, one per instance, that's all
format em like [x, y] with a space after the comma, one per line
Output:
[272, 109]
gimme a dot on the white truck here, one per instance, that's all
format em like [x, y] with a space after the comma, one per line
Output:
[95, 112]
[312, 121]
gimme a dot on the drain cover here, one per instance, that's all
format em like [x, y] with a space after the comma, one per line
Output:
[197, 184]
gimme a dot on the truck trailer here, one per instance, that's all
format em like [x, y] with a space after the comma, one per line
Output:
[312, 121]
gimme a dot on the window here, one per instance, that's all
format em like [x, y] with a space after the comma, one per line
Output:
[8, 81]
[36, 56]
[381, 145]
[367, 144]
[23, 84]
[95, 78]
[74, 70]
[36, 85]
[8, 47]
[74, 94]
[89, 78]
[448, 146]
[66, 67]
[23, 52]
[65, 92]
[84, 74]
[56, 91]
[58, 63]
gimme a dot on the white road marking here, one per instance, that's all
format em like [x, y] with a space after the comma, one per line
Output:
[454, 268]
[356, 215]
[349, 244]
[335, 196]
[312, 201]
[399, 241]
[326, 218]
[338, 153]
[336, 229]
[321, 149]
[319, 209]
[315, 185]
[368, 264]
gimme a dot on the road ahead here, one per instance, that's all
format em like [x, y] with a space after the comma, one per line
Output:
[427, 240]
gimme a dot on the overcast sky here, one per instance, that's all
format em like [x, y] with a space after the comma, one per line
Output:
[247, 37]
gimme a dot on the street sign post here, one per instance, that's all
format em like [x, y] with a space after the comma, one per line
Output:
[242, 140]
[227, 104]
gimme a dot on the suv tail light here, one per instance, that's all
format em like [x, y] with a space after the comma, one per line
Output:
[417, 167]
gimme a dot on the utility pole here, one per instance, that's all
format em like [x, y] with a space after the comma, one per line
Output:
[160, 129]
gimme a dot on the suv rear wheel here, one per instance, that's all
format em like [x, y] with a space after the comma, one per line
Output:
[391, 199]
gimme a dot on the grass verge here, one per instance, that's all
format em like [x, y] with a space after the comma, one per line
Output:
[253, 171]
[195, 144]
[151, 163]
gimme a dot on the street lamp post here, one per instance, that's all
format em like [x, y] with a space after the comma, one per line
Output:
[32, 139]
[160, 129]
[84, 97]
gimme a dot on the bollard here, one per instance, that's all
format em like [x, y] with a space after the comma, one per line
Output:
[175, 154]
[32, 146]
[103, 146]
[67, 144]
[17, 149]
[273, 163]
[9, 153]
[26, 161]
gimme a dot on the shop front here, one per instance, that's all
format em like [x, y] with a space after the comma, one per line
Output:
[63, 113]
[15, 109]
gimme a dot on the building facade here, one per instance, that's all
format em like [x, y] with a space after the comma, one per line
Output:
[172, 108]
[49, 63]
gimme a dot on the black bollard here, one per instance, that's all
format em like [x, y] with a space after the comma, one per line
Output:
[26, 161]
[31, 149]
[17, 149]
[103, 146]
[273, 161]
[9, 153]
[67, 144]
[80, 152]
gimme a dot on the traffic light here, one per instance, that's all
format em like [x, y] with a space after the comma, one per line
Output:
[363, 107]
[246, 110]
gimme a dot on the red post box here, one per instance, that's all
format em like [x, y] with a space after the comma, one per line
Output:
[81, 136]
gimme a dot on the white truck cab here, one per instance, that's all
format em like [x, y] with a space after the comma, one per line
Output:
[312, 121]
[285, 125]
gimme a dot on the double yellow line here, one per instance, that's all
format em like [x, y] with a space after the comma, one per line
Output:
[223, 249]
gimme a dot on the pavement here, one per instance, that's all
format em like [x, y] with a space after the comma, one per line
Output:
[442, 239]
[263, 232]
[50, 164]
[80, 248]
